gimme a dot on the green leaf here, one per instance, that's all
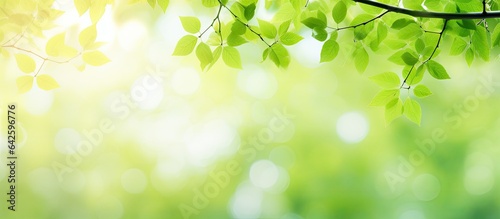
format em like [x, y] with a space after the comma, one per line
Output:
[87, 36]
[283, 28]
[204, 54]
[46, 82]
[469, 56]
[412, 111]
[467, 24]
[458, 47]
[95, 58]
[329, 50]
[401, 23]
[339, 12]
[250, 11]
[231, 57]
[381, 32]
[319, 34]
[235, 40]
[481, 44]
[185, 45]
[419, 45]
[361, 32]
[210, 3]
[25, 63]
[416, 76]
[410, 31]
[495, 36]
[238, 28]
[24, 83]
[163, 4]
[437, 70]
[268, 29]
[409, 59]
[361, 59]
[386, 80]
[191, 24]
[383, 97]
[216, 55]
[285, 12]
[265, 54]
[290, 38]
[422, 91]
[393, 110]
[313, 22]
[279, 55]
[152, 3]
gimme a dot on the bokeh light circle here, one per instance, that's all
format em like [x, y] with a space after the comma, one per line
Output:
[352, 127]
[426, 187]
[186, 81]
[264, 174]
[67, 140]
[134, 181]
[246, 202]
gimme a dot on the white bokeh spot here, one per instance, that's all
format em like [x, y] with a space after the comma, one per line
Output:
[264, 174]
[134, 181]
[352, 127]
[186, 81]
[426, 187]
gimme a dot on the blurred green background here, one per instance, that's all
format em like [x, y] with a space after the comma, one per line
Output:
[149, 135]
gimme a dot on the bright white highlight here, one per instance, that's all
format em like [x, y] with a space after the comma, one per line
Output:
[246, 202]
[186, 81]
[133, 181]
[264, 174]
[352, 127]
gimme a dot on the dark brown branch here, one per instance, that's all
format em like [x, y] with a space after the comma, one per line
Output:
[429, 14]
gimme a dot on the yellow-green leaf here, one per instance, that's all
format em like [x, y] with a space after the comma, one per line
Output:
[361, 59]
[54, 44]
[46, 82]
[152, 3]
[185, 45]
[25, 63]
[191, 24]
[87, 36]
[384, 96]
[422, 91]
[412, 111]
[339, 12]
[95, 58]
[231, 57]
[393, 110]
[285, 12]
[163, 4]
[24, 83]
[204, 54]
[82, 6]
[386, 80]
[96, 10]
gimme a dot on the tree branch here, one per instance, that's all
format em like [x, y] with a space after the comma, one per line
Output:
[364, 23]
[429, 14]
